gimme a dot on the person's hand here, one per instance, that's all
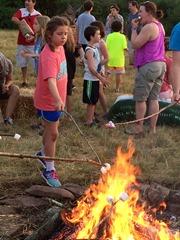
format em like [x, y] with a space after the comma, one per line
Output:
[110, 15]
[29, 37]
[176, 98]
[24, 53]
[5, 88]
[59, 105]
[104, 80]
[134, 23]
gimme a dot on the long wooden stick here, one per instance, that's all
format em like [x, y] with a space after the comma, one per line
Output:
[150, 116]
[16, 155]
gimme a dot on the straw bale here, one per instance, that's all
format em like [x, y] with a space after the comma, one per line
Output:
[25, 106]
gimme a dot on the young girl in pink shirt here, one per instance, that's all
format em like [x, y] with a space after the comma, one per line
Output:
[50, 92]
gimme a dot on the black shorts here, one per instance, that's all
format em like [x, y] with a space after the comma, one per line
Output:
[3, 95]
[90, 92]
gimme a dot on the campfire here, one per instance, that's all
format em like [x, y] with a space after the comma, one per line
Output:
[111, 209]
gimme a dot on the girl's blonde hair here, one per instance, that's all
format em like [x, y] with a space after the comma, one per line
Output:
[70, 44]
[42, 20]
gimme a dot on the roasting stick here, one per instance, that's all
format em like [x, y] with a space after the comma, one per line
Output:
[150, 116]
[16, 135]
[122, 197]
[16, 155]
[82, 135]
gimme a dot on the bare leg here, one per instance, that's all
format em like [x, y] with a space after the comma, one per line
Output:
[118, 80]
[50, 136]
[102, 99]
[12, 101]
[140, 113]
[153, 108]
[90, 113]
[69, 103]
[24, 74]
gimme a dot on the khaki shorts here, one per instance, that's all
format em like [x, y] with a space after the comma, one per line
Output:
[148, 81]
[23, 61]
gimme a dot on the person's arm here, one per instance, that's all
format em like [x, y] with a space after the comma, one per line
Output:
[28, 54]
[90, 59]
[7, 84]
[138, 40]
[15, 20]
[175, 75]
[104, 52]
[59, 104]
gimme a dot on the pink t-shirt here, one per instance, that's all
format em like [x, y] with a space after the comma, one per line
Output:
[51, 65]
[166, 85]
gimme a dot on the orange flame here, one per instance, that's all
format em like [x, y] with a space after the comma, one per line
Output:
[99, 219]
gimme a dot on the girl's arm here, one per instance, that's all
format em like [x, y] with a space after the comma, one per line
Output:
[59, 105]
[104, 52]
[28, 54]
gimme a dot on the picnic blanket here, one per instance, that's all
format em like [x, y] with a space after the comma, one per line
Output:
[123, 110]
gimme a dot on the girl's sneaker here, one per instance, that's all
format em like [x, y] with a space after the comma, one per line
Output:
[51, 178]
[41, 160]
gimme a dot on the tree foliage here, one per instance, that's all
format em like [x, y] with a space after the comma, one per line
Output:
[171, 10]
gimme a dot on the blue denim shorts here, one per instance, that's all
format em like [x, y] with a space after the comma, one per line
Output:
[49, 116]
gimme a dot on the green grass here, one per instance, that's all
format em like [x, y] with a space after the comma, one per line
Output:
[157, 155]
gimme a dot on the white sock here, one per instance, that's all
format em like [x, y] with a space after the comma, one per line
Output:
[50, 166]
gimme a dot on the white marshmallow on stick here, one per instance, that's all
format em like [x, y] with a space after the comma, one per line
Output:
[123, 196]
[17, 136]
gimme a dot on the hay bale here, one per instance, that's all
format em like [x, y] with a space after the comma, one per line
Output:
[25, 106]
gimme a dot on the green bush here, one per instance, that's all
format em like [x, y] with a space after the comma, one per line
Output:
[171, 10]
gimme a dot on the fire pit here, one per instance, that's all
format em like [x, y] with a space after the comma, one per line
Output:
[111, 209]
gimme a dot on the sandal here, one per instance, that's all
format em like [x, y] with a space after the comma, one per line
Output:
[93, 124]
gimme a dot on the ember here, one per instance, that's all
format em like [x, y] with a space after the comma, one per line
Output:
[110, 209]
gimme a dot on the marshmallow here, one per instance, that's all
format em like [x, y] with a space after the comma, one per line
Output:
[17, 136]
[123, 196]
[103, 170]
[107, 166]
[110, 124]
[110, 199]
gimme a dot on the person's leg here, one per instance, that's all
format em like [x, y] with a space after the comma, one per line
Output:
[90, 113]
[50, 136]
[140, 108]
[22, 62]
[153, 108]
[69, 103]
[24, 75]
[12, 101]
[102, 99]
[118, 81]
[69, 95]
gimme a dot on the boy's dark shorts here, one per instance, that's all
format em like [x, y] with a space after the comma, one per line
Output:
[90, 92]
[3, 96]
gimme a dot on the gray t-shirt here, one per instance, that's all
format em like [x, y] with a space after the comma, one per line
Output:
[130, 18]
[6, 68]
[83, 21]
